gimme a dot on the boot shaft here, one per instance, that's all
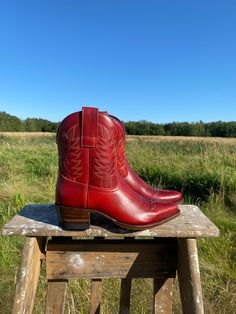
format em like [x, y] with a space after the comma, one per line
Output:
[87, 148]
[138, 185]
[121, 154]
[73, 159]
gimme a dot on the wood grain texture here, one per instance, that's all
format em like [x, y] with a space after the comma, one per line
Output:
[96, 293]
[125, 293]
[56, 295]
[42, 220]
[73, 218]
[111, 259]
[189, 277]
[27, 277]
[162, 295]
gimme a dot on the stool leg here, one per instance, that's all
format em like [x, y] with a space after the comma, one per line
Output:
[27, 278]
[96, 292]
[189, 277]
[162, 295]
[125, 291]
[56, 295]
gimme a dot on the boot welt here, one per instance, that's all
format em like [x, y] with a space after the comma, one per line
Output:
[74, 218]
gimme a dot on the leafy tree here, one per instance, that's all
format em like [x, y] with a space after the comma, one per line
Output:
[12, 123]
[219, 128]
[143, 127]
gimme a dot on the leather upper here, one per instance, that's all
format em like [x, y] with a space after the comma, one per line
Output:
[89, 176]
[137, 184]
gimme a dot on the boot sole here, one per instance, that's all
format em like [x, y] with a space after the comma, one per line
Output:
[74, 218]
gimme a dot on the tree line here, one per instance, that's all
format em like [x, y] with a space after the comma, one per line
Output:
[219, 128]
[12, 123]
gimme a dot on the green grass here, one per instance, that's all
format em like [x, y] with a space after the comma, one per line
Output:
[203, 170]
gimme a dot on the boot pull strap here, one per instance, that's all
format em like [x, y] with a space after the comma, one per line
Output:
[89, 127]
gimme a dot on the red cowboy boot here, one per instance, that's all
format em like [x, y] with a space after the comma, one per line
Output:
[88, 179]
[137, 184]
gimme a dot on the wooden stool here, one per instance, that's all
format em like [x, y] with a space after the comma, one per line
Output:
[105, 251]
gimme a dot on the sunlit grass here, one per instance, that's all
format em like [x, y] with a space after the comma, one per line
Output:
[204, 170]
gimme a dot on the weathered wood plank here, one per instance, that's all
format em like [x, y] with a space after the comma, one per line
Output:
[95, 259]
[41, 220]
[56, 295]
[27, 277]
[96, 293]
[162, 295]
[189, 277]
[125, 292]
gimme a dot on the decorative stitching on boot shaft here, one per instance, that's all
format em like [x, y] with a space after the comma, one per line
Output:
[70, 160]
[105, 158]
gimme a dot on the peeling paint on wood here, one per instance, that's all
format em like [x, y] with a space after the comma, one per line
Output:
[96, 293]
[90, 257]
[27, 278]
[95, 259]
[189, 277]
[162, 295]
[41, 220]
[56, 295]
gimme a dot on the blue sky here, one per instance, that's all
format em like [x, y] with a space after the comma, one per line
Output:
[160, 61]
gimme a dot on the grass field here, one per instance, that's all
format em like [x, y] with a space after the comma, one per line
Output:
[202, 168]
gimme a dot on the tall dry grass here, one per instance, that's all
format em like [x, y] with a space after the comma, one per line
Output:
[203, 169]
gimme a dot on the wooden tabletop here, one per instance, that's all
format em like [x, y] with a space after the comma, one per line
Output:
[41, 220]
